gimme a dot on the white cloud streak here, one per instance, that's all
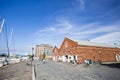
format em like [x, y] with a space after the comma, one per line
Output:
[109, 38]
[60, 28]
[57, 32]
[98, 29]
[82, 4]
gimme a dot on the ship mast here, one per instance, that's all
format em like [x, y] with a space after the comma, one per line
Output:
[1, 28]
[12, 40]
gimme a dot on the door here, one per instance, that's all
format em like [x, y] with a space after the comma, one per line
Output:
[118, 57]
[75, 57]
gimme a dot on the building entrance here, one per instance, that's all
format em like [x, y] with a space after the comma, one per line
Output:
[118, 57]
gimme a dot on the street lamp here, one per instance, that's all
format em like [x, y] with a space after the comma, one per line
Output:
[32, 53]
[32, 56]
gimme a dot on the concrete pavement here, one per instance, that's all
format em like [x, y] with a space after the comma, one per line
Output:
[18, 71]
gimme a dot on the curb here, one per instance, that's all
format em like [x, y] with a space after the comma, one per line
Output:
[33, 73]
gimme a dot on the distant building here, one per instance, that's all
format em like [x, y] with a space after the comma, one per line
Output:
[55, 54]
[86, 50]
[43, 48]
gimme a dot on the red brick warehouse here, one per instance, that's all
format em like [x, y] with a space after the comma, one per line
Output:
[86, 50]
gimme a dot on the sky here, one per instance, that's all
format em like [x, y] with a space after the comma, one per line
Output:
[50, 21]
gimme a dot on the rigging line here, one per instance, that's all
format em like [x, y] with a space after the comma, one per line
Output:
[2, 25]
[2, 35]
[12, 39]
[14, 45]
[3, 40]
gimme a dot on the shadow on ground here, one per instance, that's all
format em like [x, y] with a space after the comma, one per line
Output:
[113, 65]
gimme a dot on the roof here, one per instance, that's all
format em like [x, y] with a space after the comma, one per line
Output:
[44, 45]
[56, 48]
[89, 43]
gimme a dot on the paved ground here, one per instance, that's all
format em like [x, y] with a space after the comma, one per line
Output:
[65, 71]
[19, 71]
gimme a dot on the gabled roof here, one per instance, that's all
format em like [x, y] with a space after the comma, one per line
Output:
[55, 47]
[89, 43]
[64, 41]
[44, 45]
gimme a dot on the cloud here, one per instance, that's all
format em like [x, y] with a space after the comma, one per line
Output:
[60, 28]
[56, 33]
[82, 4]
[92, 30]
[53, 34]
[48, 29]
[109, 38]
[98, 29]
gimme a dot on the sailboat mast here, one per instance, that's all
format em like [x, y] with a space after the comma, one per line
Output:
[7, 42]
[12, 40]
[2, 35]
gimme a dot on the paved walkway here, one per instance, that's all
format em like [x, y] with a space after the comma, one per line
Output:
[19, 71]
[65, 71]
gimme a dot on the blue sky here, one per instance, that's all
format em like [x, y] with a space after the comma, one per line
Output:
[49, 21]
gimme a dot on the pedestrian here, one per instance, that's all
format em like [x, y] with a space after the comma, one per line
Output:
[86, 63]
[75, 61]
[43, 61]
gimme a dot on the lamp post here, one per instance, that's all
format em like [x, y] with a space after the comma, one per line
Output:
[32, 55]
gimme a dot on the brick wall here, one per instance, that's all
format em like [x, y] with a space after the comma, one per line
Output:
[55, 51]
[88, 52]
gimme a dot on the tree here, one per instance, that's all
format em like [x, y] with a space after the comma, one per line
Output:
[44, 55]
[30, 56]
